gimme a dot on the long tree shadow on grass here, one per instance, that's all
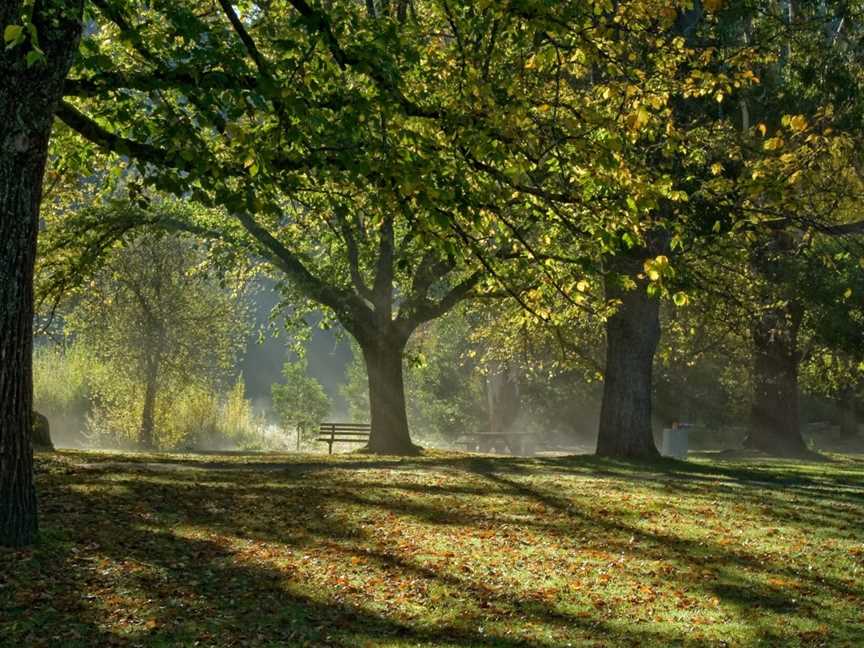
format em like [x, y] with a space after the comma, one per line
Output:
[187, 502]
[116, 553]
[178, 590]
[732, 587]
[764, 472]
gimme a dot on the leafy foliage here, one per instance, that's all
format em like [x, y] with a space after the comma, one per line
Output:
[154, 312]
[89, 402]
[64, 382]
[300, 402]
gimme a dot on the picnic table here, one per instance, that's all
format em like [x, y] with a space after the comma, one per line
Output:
[516, 443]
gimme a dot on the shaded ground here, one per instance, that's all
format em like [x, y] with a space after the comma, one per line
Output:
[443, 550]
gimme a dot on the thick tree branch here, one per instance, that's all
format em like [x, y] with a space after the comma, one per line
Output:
[429, 310]
[160, 157]
[107, 82]
[247, 40]
[353, 257]
[141, 151]
[382, 288]
[344, 303]
[844, 229]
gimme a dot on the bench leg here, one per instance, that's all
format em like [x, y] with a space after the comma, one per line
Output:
[330, 447]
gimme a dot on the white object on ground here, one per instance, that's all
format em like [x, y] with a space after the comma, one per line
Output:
[674, 443]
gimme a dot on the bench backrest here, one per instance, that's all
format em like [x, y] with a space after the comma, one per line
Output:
[345, 429]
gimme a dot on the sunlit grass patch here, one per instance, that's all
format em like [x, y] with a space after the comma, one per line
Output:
[439, 550]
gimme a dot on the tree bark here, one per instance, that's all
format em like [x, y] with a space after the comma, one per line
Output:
[502, 395]
[848, 415]
[148, 415]
[28, 98]
[775, 425]
[389, 419]
[632, 335]
[20, 184]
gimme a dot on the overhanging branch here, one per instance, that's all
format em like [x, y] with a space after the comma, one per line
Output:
[342, 302]
[78, 121]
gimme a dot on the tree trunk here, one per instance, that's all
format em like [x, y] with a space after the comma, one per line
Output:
[775, 425]
[632, 335]
[383, 356]
[28, 100]
[502, 396]
[148, 415]
[848, 415]
[20, 192]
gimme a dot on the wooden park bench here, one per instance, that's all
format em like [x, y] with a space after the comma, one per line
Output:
[331, 433]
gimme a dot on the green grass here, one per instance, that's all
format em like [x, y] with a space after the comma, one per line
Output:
[442, 550]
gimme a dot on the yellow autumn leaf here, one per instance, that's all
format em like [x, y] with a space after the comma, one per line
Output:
[798, 123]
[637, 119]
[773, 144]
[656, 101]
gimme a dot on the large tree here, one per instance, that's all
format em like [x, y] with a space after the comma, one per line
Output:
[621, 136]
[800, 177]
[723, 131]
[330, 138]
[39, 42]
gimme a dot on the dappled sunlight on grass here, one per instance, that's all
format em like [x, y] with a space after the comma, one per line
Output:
[438, 550]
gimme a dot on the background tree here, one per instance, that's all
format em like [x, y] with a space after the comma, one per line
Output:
[153, 309]
[803, 179]
[618, 143]
[300, 402]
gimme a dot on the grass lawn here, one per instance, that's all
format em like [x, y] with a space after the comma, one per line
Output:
[443, 550]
